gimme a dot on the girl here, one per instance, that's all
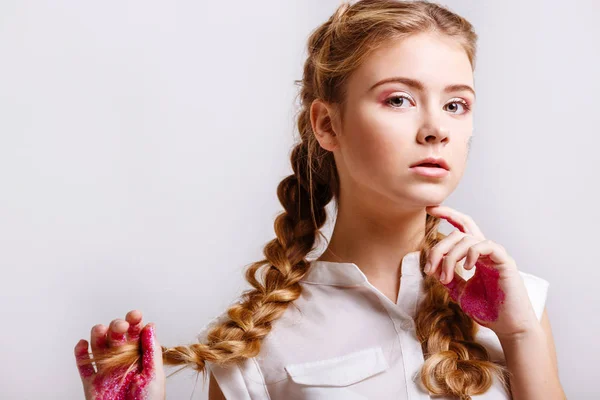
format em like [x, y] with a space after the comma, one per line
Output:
[392, 309]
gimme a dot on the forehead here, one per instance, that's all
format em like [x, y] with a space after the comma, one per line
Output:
[436, 60]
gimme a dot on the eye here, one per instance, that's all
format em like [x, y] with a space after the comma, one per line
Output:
[400, 101]
[459, 102]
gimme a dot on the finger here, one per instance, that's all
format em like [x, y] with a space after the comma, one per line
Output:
[456, 254]
[488, 250]
[460, 221]
[151, 351]
[116, 332]
[81, 353]
[134, 318]
[436, 254]
[98, 339]
[453, 217]
[456, 287]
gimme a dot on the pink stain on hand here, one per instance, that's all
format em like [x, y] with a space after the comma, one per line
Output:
[85, 370]
[133, 385]
[481, 296]
[454, 289]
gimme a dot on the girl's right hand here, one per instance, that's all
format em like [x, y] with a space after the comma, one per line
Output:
[141, 383]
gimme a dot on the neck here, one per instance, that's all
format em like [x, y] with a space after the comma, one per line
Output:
[374, 239]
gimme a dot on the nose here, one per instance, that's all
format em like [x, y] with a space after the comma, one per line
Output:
[432, 133]
[432, 129]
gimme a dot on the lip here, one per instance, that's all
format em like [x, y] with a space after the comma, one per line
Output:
[433, 160]
[434, 172]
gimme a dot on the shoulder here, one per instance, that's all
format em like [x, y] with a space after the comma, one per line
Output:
[537, 289]
[216, 320]
[231, 379]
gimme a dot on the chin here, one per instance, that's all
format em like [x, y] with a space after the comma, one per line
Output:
[421, 199]
[431, 199]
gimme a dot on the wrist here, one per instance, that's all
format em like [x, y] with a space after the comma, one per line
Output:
[533, 332]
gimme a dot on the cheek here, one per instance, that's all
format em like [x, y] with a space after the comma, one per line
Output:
[373, 151]
[458, 161]
[460, 152]
[377, 137]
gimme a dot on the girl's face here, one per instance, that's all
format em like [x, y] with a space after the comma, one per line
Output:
[387, 127]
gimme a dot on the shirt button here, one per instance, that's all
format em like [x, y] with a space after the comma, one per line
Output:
[407, 324]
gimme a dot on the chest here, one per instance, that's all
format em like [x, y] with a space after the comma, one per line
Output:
[348, 345]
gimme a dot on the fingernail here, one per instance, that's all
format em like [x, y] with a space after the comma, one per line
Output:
[427, 267]
[443, 276]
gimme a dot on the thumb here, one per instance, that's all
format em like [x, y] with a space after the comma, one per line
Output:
[152, 360]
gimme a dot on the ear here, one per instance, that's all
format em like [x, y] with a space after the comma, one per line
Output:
[324, 120]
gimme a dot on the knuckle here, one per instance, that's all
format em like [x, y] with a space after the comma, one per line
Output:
[466, 238]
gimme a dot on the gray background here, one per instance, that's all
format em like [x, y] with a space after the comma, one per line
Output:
[141, 143]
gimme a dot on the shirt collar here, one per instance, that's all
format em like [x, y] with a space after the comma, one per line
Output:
[348, 274]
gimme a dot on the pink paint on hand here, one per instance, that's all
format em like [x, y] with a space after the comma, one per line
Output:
[454, 289]
[114, 386]
[117, 337]
[120, 385]
[134, 331]
[140, 388]
[82, 353]
[482, 295]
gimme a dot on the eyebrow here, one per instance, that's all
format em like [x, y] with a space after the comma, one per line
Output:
[421, 86]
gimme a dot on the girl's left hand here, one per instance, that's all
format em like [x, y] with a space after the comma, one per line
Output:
[146, 381]
[496, 296]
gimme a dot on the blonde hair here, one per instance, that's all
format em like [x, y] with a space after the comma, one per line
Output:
[454, 363]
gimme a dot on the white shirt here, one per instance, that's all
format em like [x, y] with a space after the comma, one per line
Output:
[344, 339]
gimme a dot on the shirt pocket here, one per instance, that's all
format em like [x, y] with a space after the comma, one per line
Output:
[333, 378]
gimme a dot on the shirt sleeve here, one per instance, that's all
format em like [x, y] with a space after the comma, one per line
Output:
[230, 380]
[537, 289]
